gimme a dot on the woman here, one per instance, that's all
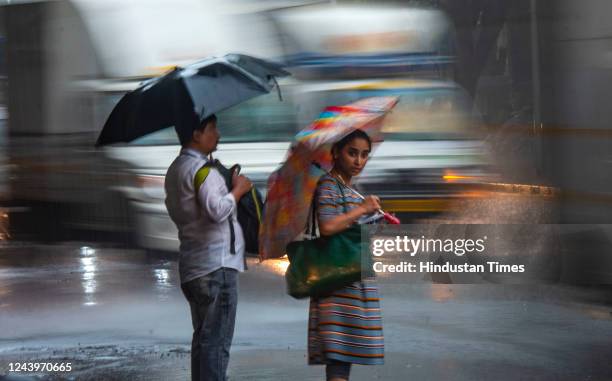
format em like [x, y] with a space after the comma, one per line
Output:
[346, 327]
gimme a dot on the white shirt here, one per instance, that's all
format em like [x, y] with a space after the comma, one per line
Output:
[203, 227]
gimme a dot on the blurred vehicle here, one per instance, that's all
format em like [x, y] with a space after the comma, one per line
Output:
[432, 142]
[68, 63]
[365, 41]
[430, 134]
[71, 61]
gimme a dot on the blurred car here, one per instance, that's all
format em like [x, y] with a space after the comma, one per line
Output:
[431, 139]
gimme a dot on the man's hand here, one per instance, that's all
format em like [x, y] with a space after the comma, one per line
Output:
[241, 185]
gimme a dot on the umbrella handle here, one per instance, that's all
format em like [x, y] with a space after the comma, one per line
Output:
[390, 218]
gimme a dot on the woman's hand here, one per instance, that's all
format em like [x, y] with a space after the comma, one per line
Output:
[337, 224]
[370, 204]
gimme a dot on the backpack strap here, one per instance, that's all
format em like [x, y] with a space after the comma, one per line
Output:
[200, 177]
[256, 202]
[198, 180]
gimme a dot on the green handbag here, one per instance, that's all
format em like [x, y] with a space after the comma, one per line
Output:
[319, 266]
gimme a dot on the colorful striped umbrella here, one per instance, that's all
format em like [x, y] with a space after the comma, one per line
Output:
[291, 187]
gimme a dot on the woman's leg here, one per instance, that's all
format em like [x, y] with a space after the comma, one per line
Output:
[337, 371]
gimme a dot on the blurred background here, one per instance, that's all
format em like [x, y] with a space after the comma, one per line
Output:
[503, 114]
[504, 119]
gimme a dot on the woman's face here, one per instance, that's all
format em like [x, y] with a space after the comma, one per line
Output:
[351, 159]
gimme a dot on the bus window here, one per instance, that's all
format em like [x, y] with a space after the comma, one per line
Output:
[261, 119]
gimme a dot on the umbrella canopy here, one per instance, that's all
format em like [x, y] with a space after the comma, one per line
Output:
[184, 97]
[291, 187]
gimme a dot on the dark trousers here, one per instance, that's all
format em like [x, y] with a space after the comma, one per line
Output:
[212, 299]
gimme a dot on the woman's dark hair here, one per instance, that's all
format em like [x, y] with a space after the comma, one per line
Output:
[357, 134]
[186, 136]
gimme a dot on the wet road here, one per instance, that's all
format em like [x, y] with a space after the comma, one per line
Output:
[119, 314]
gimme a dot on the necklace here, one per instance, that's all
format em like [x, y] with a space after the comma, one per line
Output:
[338, 177]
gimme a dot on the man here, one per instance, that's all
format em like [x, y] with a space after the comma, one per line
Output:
[211, 254]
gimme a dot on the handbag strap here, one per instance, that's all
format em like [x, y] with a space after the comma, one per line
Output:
[311, 229]
[343, 195]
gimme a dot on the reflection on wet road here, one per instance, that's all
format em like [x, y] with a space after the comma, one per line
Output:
[117, 313]
[61, 275]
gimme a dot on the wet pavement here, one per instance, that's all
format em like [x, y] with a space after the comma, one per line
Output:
[119, 314]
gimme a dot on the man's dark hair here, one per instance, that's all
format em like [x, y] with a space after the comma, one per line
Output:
[357, 134]
[186, 136]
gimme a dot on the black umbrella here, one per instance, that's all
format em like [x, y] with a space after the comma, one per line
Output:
[185, 96]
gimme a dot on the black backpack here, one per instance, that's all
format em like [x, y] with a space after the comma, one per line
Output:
[250, 206]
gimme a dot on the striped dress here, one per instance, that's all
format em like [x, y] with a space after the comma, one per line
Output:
[347, 325]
